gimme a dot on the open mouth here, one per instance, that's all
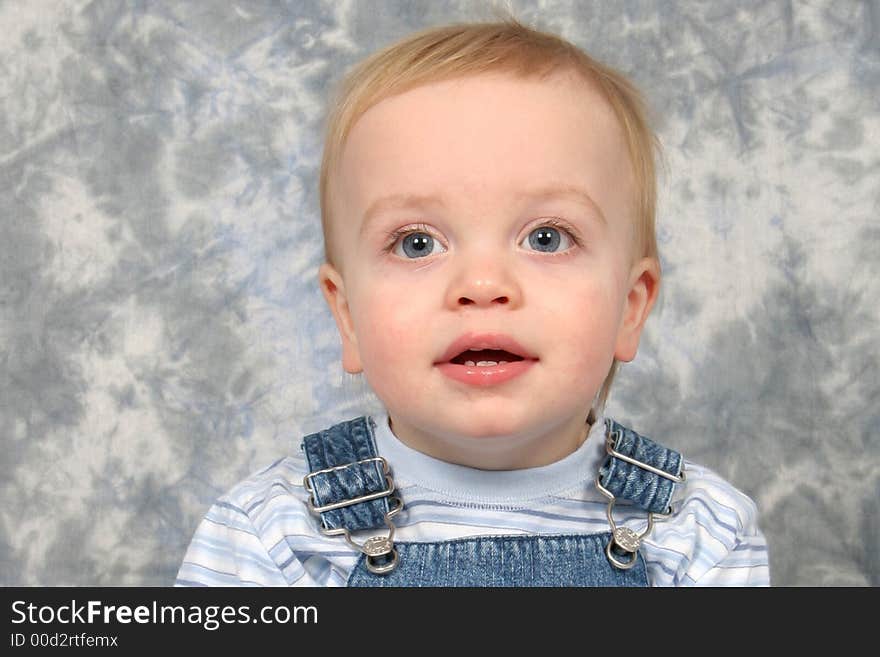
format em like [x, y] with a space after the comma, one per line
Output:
[485, 357]
[481, 365]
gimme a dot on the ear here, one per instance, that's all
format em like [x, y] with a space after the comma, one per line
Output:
[333, 288]
[644, 286]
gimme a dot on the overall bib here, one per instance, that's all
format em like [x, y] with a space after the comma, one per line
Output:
[351, 489]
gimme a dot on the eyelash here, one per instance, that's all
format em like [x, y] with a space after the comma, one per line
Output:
[395, 235]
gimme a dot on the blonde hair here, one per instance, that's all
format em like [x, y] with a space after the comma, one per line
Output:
[508, 46]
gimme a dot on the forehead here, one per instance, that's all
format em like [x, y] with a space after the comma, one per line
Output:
[482, 140]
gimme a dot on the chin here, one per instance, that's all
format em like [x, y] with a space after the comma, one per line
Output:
[488, 427]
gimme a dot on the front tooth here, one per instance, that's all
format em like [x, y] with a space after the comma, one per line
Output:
[484, 363]
[470, 363]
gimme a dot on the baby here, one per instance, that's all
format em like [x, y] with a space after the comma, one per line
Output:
[488, 196]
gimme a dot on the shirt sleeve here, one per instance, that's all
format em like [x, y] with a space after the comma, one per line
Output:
[227, 550]
[712, 539]
[729, 548]
[745, 564]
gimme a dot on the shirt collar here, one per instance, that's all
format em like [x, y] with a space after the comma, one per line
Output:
[462, 483]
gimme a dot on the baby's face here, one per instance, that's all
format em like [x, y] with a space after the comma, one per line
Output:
[510, 213]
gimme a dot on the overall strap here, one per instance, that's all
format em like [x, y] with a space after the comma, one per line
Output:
[348, 482]
[639, 470]
[643, 472]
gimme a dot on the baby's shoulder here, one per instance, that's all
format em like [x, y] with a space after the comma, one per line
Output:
[276, 489]
[706, 497]
[710, 510]
[710, 538]
[246, 534]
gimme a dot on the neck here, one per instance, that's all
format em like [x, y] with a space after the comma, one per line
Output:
[526, 449]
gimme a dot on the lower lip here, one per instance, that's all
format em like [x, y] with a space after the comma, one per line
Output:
[486, 376]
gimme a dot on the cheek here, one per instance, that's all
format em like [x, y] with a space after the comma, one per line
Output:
[585, 325]
[387, 323]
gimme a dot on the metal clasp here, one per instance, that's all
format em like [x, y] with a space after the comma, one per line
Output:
[307, 483]
[374, 547]
[609, 448]
[622, 537]
[379, 550]
[625, 538]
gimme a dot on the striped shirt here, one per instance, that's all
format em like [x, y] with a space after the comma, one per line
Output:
[261, 532]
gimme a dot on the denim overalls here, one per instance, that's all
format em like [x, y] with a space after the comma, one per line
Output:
[351, 489]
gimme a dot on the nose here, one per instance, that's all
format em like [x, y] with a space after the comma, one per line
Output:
[484, 281]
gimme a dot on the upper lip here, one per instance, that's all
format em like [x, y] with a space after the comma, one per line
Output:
[478, 341]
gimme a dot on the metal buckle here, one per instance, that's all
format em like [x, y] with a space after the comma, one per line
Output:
[355, 500]
[374, 547]
[622, 537]
[625, 538]
[609, 448]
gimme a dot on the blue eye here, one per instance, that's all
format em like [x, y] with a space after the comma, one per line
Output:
[546, 239]
[415, 244]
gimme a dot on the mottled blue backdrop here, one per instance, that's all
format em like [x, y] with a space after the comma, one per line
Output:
[162, 334]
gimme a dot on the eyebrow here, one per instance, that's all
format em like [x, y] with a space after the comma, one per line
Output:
[415, 201]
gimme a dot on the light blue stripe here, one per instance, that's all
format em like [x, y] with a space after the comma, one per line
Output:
[745, 564]
[685, 576]
[296, 512]
[659, 564]
[246, 494]
[749, 546]
[231, 578]
[484, 520]
[661, 531]
[286, 517]
[269, 467]
[188, 582]
[694, 500]
[215, 521]
[239, 552]
[519, 512]
[322, 571]
[228, 505]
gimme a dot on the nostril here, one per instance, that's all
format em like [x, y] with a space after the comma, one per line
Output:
[464, 301]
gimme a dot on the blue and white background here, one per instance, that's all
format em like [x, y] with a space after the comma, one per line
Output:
[162, 334]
